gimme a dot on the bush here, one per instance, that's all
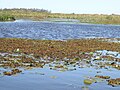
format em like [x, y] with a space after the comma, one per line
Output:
[6, 18]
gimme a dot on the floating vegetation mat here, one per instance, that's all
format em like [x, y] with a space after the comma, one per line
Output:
[17, 55]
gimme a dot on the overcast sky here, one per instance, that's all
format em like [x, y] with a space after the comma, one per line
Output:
[67, 6]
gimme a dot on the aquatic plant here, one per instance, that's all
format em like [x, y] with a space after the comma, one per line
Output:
[114, 82]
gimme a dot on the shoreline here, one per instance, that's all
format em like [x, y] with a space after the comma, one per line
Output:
[83, 18]
[62, 22]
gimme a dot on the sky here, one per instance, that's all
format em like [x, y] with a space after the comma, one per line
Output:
[67, 6]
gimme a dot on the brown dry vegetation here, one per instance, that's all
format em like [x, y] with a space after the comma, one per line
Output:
[57, 49]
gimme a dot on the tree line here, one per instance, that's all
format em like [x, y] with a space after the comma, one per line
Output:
[26, 9]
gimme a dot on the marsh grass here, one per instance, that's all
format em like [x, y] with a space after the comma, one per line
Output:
[36, 14]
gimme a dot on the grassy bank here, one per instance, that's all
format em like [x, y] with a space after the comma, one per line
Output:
[38, 14]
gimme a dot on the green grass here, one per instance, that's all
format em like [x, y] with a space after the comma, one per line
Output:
[6, 18]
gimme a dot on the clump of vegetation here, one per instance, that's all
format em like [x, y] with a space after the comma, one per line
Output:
[114, 82]
[13, 72]
[6, 18]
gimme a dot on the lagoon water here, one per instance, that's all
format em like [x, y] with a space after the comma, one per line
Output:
[56, 30]
[69, 80]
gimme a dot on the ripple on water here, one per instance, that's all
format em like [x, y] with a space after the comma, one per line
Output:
[55, 31]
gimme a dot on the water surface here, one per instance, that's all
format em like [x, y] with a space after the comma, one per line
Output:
[69, 80]
[56, 31]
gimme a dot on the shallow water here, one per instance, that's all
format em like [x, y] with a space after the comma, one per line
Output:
[56, 80]
[69, 80]
[56, 30]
